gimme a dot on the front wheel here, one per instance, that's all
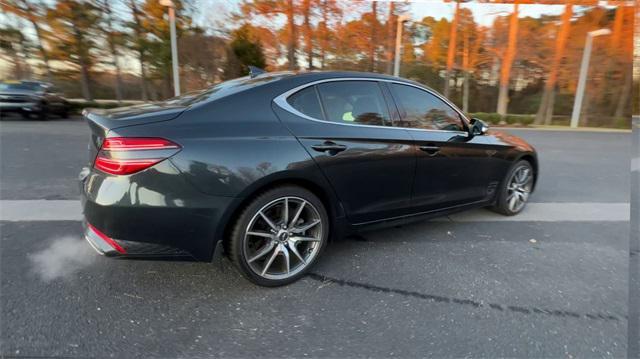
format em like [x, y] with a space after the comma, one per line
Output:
[279, 236]
[515, 189]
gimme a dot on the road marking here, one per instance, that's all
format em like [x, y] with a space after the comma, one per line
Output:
[43, 210]
[553, 212]
[40, 210]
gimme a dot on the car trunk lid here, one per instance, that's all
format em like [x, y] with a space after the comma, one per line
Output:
[102, 121]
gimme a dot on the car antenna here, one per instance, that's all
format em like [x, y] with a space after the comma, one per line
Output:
[255, 71]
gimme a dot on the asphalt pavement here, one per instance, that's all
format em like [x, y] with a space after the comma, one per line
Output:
[549, 283]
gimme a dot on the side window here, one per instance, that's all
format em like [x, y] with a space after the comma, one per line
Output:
[359, 102]
[424, 110]
[306, 101]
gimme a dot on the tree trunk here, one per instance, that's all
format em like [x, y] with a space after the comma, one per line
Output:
[43, 52]
[307, 33]
[84, 80]
[390, 37]
[374, 25]
[451, 51]
[114, 51]
[324, 42]
[551, 101]
[623, 98]
[143, 76]
[545, 110]
[544, 105]
[82, 52]
[31, 14]
[507, 62]
[291, 47]
[466, 66]
[465, 92]
[141, 52]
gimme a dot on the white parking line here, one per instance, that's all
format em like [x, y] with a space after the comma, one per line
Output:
[43, 210]
[554, 212]
[40, 210]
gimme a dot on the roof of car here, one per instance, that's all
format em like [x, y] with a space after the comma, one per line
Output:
[311, 76]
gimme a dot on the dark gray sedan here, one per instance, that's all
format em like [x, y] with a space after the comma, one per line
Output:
[268, 168]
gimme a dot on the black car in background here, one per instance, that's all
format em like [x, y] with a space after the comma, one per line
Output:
[31, 99]
[268, 168]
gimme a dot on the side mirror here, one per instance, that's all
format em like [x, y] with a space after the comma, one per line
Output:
[478, 127]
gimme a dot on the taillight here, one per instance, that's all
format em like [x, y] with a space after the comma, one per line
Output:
[127, 155]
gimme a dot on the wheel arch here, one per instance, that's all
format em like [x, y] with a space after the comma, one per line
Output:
[533, 160]
[334, 208]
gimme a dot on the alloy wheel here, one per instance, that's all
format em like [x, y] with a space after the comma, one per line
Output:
[283, 238]
[519, 188]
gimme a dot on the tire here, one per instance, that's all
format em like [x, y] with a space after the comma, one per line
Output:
[287, 250]
[515, 189]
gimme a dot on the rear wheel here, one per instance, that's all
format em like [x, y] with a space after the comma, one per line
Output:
[279, 236]
[515, 189]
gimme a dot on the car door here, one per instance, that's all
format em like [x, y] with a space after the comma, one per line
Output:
[453, 168]
[346, 127]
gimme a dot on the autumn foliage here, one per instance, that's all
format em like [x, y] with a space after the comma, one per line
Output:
[514, 64]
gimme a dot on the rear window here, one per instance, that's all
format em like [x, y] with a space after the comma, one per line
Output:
[225, 89]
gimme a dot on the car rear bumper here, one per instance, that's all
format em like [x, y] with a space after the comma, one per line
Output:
[153, 213]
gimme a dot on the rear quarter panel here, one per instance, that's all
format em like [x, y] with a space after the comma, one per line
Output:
[235, 146]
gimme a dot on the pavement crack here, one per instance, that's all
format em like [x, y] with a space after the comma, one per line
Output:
[468, 302]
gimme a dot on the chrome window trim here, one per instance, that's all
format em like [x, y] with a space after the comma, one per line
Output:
[282, 102]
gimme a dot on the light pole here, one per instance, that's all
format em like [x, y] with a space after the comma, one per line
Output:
[396, 65]
[174, 45]
[582, 80]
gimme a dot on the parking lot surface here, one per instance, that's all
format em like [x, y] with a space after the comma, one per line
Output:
[549, 283]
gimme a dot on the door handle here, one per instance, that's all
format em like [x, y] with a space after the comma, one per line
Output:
[331, 147]
[430, 149]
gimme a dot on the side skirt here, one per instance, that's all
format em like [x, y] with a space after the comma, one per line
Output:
[420, 216]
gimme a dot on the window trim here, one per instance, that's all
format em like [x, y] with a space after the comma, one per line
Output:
[281, 101]
[403, 111]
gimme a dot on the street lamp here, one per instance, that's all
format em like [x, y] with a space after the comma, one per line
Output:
[582, 80]
[174, 45]
[396, 65]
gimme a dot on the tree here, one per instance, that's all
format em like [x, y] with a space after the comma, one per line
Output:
[473, 37]
[307, 33]
[622, 50]
[15, 46]
[373, 41]
[271, 9]
[139, 44]
[507, 62]
[34, 12]
[202, 57]
[451, 49]
[545, 111]
[244, 50]
[330, 12]
[111, 37]
[75, 23]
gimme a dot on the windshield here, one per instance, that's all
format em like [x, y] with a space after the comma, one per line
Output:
[28, 86]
